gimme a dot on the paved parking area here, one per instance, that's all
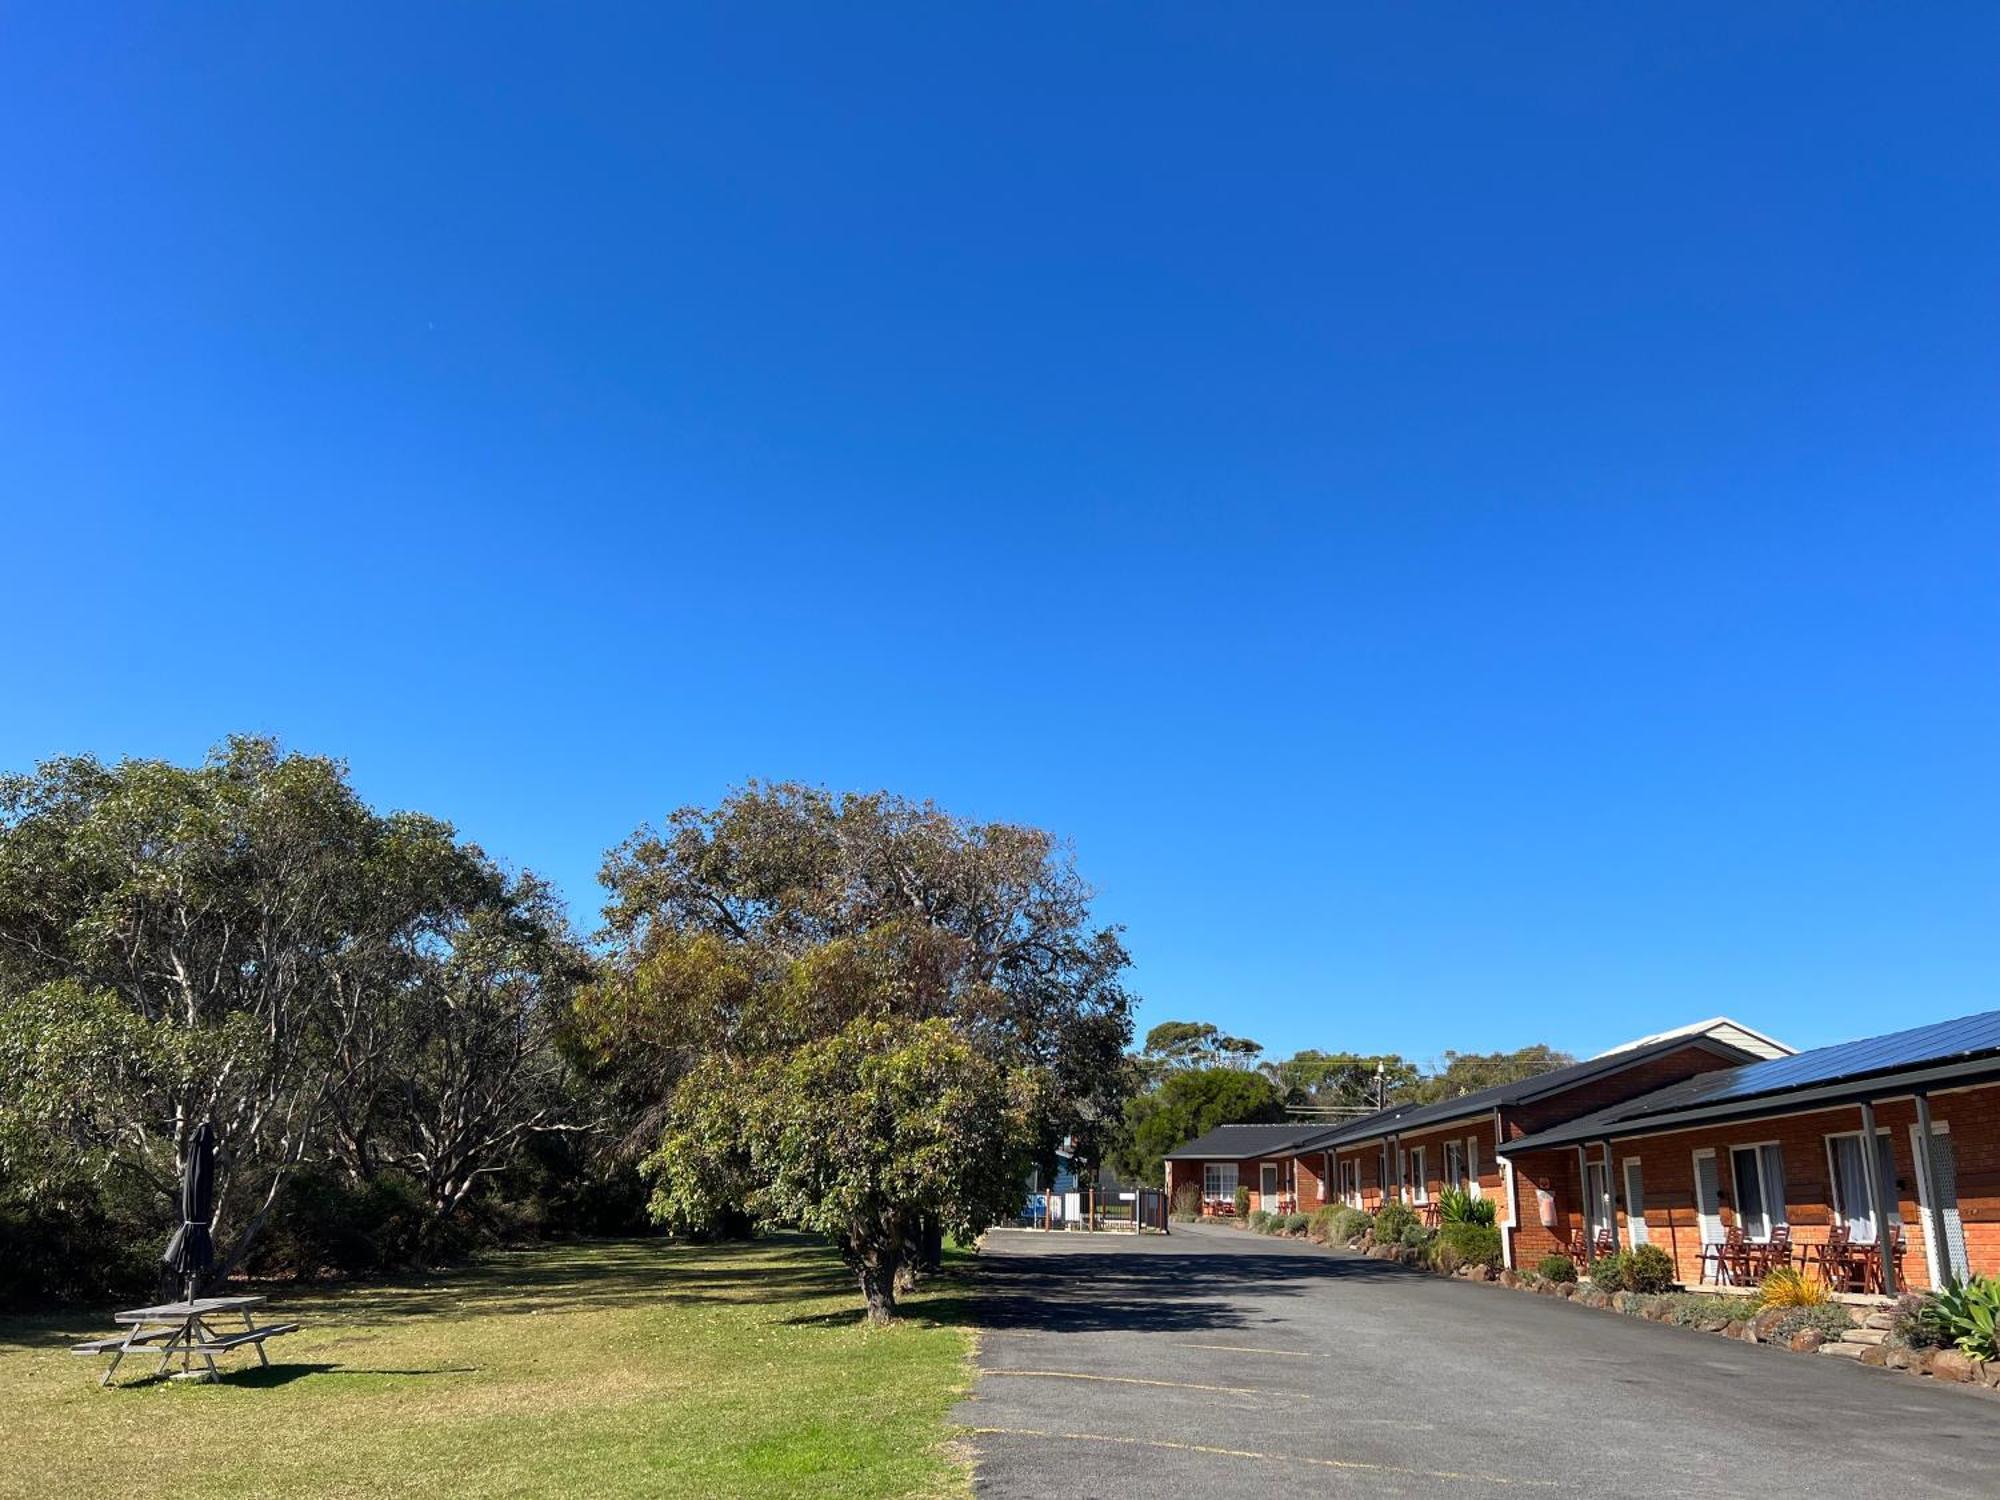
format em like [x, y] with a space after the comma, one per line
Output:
[1213, 1362]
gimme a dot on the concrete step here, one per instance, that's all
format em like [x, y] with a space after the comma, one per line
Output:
[1843, 1350]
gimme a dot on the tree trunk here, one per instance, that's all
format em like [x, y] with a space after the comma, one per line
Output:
[876, 1265]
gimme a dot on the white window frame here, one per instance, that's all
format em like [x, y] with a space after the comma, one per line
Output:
[1223, 1175]
[1771, 1219]
[1472, 1166]
[1350, 1181]
[1454, 1165]
[1882, 1132]
[1635, 1200]
[1419, 1178]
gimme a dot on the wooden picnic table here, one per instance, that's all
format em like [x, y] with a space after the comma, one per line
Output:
[183, 1328]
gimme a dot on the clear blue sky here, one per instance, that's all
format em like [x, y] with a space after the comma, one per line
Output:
[1480, 522]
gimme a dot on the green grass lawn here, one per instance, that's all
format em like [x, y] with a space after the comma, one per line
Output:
[624, 1368]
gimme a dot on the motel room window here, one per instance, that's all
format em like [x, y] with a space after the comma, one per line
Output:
[1850, 1182]
[1419, 1186]
[1759, 1172]
[1218, 1179]
[1454, 1165]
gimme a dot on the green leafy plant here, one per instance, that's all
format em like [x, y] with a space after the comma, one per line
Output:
[1556, 1268]
[1968, 1316]
[1242, 1202]
[1297, 1223]
[1457, 1206]
[1467, 1244]
[1349, 1224]
[1649, 1269]
[1787, 1286]
[1393, 1219]
[1258, 1220]
[1607, 1272]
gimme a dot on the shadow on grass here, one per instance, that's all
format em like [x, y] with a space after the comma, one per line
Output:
[269, 1377]
[775, 1269]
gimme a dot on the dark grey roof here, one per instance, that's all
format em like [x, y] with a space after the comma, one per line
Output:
[1823, 1075]
[1227, 1142]
[1523, 1091]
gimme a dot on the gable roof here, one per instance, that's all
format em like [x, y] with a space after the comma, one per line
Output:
[1717, 1036]
[1842, 1073]
[1233, 1142]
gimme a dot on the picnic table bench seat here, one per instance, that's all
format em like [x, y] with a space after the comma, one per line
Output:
[119, 1341]
[247, 1336]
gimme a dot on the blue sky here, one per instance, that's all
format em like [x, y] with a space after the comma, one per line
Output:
[1479, 522]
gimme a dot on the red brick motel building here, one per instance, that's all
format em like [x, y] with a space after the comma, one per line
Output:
[1685, 1140]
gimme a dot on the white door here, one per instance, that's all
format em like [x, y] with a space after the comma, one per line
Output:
[1269, 1185]
[1707, 1198]
[1593, 1205]
[1635, 1202]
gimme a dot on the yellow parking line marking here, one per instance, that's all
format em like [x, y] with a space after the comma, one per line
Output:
[1246, 1349]
[1179, 1385]
[1275, 1458]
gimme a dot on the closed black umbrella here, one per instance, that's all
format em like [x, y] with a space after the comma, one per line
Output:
[192, 1251]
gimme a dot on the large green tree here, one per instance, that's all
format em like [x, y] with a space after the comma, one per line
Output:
[245, 941]
[1191, 1102]
[1340, 1080]
[1460, 1073]
[854, 1013]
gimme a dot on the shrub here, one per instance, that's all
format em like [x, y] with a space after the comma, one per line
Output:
[1556, 1268]
[1468, 1244]
[1259, 1220]
[1187, 1202]
[1607, 1272]
[1456, 1206]
[1242, 1202]
[1968, 1316]
[1828, 1318]
[1789, 1287]
[1350, 1224]
[1320, 1227]
[1691, 1310]
[1916, 1327]
[1297, 1223]
[1649, 1269]
[323, 1223]
[1393, 1219]
[1415, 1237]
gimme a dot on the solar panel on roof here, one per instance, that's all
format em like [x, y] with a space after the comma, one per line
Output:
[1938, 1042]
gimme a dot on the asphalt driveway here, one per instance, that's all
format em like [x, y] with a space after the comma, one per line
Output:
[1214, 1362]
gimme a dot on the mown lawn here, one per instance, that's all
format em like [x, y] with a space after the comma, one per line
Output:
[608, 1369]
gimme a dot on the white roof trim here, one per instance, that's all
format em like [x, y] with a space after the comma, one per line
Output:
[1723, 1029]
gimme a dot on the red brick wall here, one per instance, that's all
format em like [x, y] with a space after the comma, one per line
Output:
[1249, 1174]
[1667, 1172]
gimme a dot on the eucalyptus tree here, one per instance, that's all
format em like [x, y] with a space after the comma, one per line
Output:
[246, 941]
[853, 1013]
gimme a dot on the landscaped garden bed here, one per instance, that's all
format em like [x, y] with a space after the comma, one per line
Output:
[1948, 1336]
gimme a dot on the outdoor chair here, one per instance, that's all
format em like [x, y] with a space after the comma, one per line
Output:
[1730, 1256]
[1837, 1260]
